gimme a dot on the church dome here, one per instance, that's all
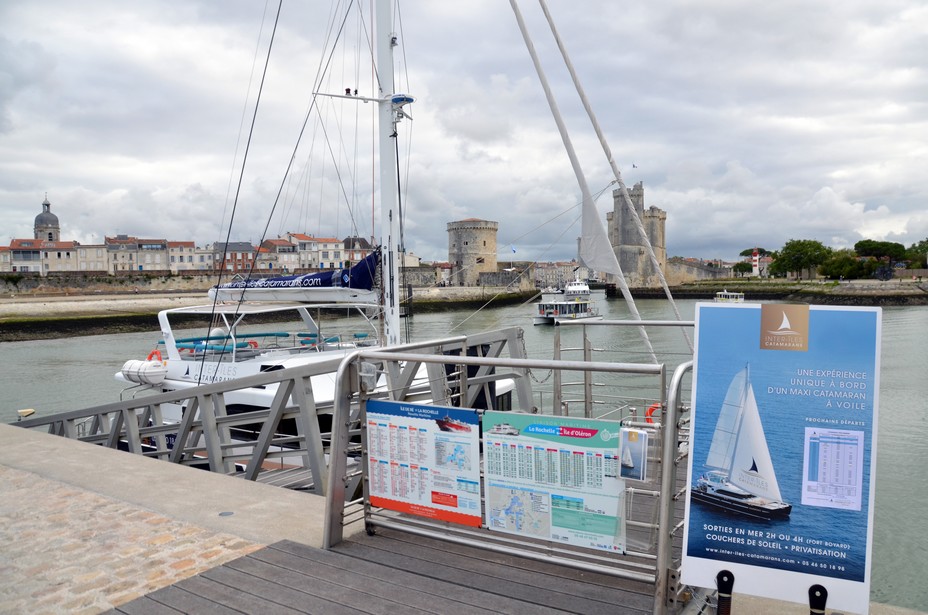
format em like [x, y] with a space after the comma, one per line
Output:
[46, 218]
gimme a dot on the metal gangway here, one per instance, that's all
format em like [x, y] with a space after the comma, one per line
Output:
[286, 444]
[323, 449]
[654, 508]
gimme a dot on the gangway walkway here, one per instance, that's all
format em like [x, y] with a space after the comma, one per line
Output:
[391, 573]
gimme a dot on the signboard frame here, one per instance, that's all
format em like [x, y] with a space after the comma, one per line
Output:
[813, 373]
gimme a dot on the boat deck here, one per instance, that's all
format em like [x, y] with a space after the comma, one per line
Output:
[392, 572]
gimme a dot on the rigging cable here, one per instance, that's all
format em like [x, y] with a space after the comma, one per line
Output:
[592, 224]
[623, 191]
[238, 187]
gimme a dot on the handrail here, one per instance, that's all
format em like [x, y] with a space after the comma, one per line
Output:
[650, 564]
[138, 425]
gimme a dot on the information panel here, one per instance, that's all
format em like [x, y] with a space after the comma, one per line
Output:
[784, 432]
[554, 478]
[425, 460]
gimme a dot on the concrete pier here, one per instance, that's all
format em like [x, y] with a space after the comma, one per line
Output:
[84, 529]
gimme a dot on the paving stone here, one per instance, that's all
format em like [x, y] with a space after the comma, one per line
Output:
[72, 551]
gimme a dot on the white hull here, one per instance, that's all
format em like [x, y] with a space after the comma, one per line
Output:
[550, 320]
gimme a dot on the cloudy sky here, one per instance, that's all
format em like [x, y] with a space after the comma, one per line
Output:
[748, 123]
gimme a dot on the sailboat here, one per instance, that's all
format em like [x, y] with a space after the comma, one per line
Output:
[627, 461]
[287, 310]
[741, 478]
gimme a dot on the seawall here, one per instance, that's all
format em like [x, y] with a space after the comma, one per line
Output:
[47, 316]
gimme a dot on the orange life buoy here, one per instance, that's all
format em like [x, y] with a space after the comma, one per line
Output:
[651, 410]
[253, 343]
[154, 353]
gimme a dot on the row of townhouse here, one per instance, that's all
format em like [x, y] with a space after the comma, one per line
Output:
[558, 274]
[291, 253]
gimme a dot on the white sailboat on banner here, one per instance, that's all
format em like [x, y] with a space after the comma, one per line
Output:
[627, 461]
[742, 479]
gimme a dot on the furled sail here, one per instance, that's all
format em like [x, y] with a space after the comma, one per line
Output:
[355, 285]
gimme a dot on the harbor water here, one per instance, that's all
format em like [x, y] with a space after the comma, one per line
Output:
[66, 374]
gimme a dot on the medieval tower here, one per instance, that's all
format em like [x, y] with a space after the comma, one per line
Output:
[471, 249]
[627, 242]
[46, 224]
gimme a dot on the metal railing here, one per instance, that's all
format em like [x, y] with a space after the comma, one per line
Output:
[208, 435]
[654, 509]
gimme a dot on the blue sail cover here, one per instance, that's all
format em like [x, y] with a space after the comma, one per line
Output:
[360, 277]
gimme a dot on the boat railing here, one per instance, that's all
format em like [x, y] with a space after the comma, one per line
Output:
[587, 394]
[653, 506]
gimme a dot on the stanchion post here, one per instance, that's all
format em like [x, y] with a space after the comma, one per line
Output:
[725, 583]
[818, 596]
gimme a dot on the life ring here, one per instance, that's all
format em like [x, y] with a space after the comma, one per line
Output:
[253, 343]
[154, 353]
[650, 412]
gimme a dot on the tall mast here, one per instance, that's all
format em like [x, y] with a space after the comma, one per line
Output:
[389, 114]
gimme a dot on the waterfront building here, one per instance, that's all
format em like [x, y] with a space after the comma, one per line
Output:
[127, 253]
[357, 249]
[233, 257]
[307, 249]
[330, 252]
[39, 256]
[182, 256]
[471, 249]
[626, 239]
[558, 274]
[92, 258]
[277, 255]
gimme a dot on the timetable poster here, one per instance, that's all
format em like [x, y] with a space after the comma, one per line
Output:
[554, 478]
[784, 432]
[424, 460]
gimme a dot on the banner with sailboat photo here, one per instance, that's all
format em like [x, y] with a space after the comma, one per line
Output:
[782, 450]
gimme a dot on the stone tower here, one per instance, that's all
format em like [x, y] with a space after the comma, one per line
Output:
[626, 239]
[471, 249]
[46, 224]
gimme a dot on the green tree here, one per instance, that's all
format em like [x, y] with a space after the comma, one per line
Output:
[800, 256]
[847, 265]
[742, 268]
[750, 252]
[917, 255]
[880, 249]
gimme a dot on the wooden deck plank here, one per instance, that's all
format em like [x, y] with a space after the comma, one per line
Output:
[350, 590]
[531, 572]
[234, 597]
[514, 561]
[303, 601]
[187, 602]
[144, 606]
[394, 572]
[418, 590]
[531, 589]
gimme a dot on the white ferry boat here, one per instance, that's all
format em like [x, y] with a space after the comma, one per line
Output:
[573, 304]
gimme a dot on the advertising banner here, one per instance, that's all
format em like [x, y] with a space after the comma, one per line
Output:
[554, 478]
[784, 431]
[425, 460]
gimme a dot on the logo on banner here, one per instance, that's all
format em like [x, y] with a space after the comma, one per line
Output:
[784, 327]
